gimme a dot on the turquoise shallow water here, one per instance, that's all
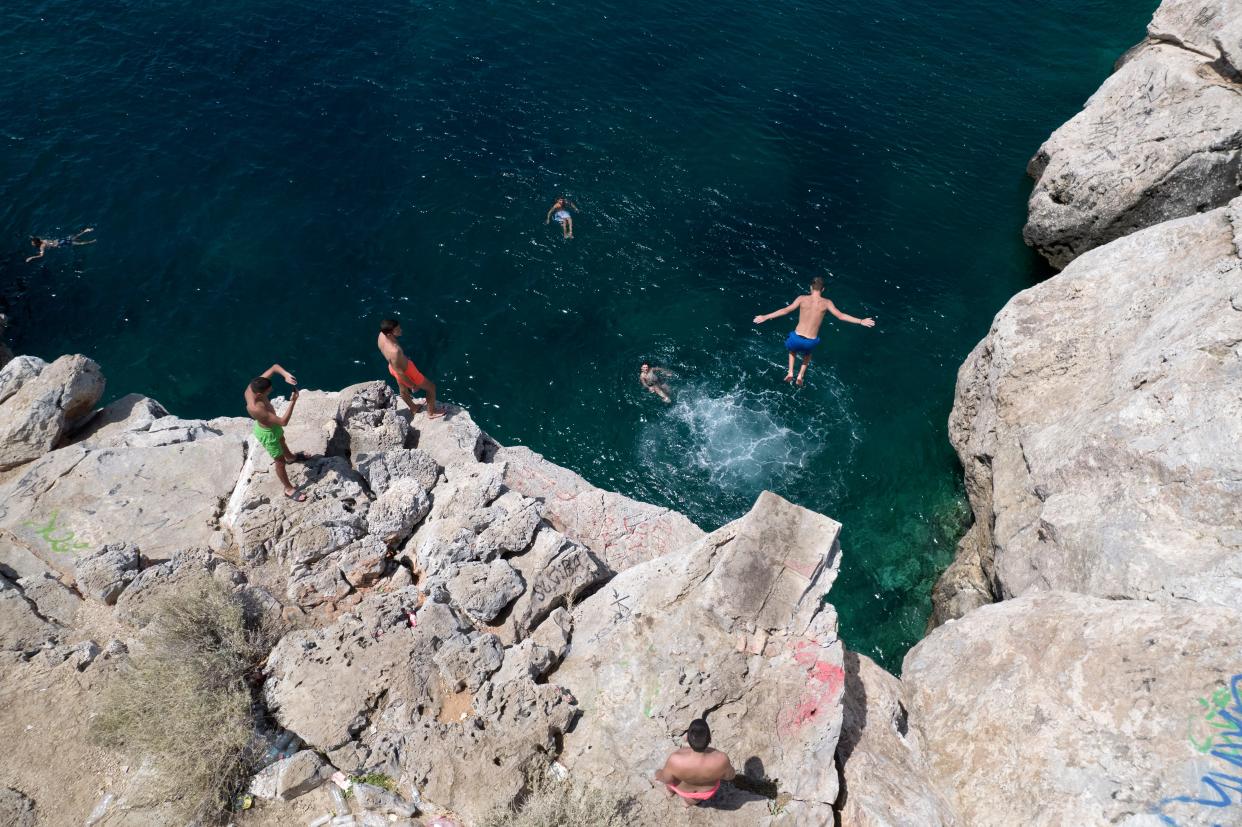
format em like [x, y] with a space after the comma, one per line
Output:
[268, 180]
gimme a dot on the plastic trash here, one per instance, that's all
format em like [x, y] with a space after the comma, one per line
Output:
[321, 821]
[373, 820]
[344, 821]
[100, 809]
[338, 800]
[442, 821]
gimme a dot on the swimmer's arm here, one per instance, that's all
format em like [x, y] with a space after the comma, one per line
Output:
[729, 773]
[845, 317]
[665, 775]
[551, 210]
[796, 304]
[36, 255]
[288, 377]
[572, 205]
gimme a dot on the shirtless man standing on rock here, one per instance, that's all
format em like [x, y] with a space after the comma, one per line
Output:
[402, 369]
[269, 429]
[695, 772]
[811, 309]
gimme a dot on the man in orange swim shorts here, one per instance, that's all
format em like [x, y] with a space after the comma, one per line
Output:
[403, 370]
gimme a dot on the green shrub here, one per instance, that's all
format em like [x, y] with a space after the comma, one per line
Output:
[184, 700]
[553, 803]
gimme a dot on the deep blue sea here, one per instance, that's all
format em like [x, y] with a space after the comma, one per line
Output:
[268, 180]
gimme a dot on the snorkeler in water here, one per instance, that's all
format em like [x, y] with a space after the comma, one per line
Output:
[45, 244]
[560, 211]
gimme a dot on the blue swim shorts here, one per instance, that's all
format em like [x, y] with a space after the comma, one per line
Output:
[800, 345]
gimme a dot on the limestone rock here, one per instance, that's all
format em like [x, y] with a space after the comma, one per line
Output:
[1056, 708]
[466, 662]
[964, 585]
[314, 428]
[540, 653]
[557, 571]
[45, 406]
[300, 773]
[1098, 422]
[884, 777]
[117, 421]
[105, 574]
[1161, 139]
[17, 372]
[734, 627]
[383, 468]
[451, 439]
[483, 590]
[22, 628]
[327, 685]
[162, 499]
[394, 513]
[16, 810]
[623, 532]
[51, 598]
[368, 414]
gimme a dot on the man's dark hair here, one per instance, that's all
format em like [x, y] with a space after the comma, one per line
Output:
[35, 241]
[817, 283]
[261, 384]
[699, 735]
[389, 325]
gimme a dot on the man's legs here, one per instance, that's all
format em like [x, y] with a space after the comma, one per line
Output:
[408, 398]
[568, 228]
[283, 476]
[430, 388]
[789, 374]
[806, 362]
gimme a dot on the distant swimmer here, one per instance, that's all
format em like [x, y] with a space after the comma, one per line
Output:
[805, 337]
[560, 211]
[269, 429]
[403, 370]
[45, 244]
[695, 773]
[650, 377]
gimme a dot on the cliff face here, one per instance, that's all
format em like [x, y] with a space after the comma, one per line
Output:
[1161, 139]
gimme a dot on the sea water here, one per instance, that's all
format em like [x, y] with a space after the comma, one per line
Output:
[268, 180]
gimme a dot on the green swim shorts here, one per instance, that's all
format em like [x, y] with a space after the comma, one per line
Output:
[270, 438]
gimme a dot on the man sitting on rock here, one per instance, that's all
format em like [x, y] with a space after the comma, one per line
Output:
[269, 429]
[695, 772]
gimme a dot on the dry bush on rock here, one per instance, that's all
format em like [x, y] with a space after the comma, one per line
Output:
[185, 702]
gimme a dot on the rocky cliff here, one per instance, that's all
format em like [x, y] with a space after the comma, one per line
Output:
[1161, 139]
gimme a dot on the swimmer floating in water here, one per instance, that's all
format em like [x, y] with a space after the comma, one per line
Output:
[811, 309]
[45, 244]
[561, 214]
[650, 377]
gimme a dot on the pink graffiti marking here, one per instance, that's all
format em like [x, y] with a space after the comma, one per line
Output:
[825, 682]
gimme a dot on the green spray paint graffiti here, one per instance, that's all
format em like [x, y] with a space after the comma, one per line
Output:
[1208, 723]
[64, 543]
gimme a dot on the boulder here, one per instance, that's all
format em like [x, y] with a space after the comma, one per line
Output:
[1161, 139]
[378, 800]
[300, 773]
[621, 531]
[884, 778]
[45, 406]
[117, 422]
[16, 810]
[466, 662]
[393, 515]
[383, 468]
[368, 414]
[556, 571]
[104, 574]
[1057, 708]
[451, 439]
[541, 652]
[483, 590]
[162, 500]
[1098, 422]
[734, 627]
[17, 372]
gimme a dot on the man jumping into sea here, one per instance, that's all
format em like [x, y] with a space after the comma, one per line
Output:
[811, 309]
[403, 370]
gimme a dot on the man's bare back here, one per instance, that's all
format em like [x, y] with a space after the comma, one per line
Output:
[392, 352]
[811, 311]
[699, 771]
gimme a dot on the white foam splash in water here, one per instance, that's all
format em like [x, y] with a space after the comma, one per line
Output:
[740, 441]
